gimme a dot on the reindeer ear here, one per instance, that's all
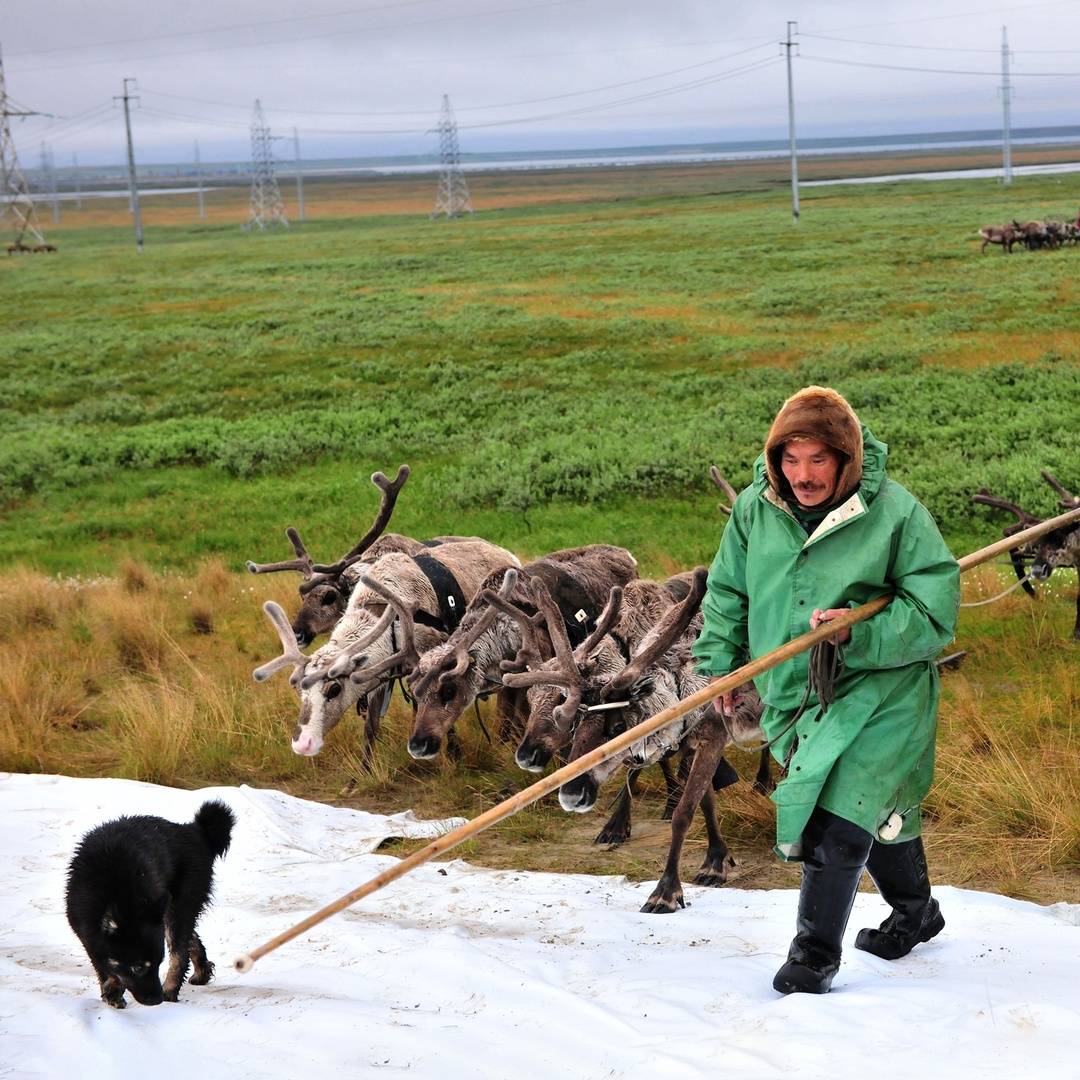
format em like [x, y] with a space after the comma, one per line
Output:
[643, 688]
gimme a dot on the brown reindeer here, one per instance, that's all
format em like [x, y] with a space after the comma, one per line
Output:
[621, 694]
[1060, 548]
[470, 664]
[1005, 235]
[554, 687]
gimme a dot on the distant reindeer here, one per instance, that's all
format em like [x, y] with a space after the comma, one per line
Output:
[1003, 235]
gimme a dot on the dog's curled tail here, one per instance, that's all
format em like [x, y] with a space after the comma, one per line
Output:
[215, 820]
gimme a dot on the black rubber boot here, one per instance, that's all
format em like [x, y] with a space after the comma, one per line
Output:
[900, 874]
[834, 853]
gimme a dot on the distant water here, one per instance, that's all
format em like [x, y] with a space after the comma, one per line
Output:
[593, 158]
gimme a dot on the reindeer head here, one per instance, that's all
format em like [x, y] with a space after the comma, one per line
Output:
[325, 590]
[451, 676]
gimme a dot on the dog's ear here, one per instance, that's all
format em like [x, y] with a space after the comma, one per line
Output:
[109, 923]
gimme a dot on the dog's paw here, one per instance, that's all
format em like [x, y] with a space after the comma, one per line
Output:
[201, 974]
[112, 993]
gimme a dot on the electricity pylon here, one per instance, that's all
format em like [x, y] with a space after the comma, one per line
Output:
[453, 197]
[17, 212]
[267, 207]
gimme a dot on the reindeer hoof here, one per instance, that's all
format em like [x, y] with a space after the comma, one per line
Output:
[715, 874]
[661, 903]
[612, 837]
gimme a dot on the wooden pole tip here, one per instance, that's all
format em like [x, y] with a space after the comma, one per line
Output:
[244, 963]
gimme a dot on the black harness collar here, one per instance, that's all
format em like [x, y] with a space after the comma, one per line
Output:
[578, 611]
[447, 591]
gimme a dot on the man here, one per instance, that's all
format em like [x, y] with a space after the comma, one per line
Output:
[820, 530]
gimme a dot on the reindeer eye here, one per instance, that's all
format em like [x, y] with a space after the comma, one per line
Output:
[329, 598]
[447, 693]
[331, 689]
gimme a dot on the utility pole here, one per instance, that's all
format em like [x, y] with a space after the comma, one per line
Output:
[1006, 98]
[267, 207]
[299, 174]
[133, 187]
[198, 181]
[75, 178]
[17, 211]
[453, 196]
[792, 28]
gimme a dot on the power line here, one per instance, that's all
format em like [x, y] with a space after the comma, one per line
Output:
[936, 71]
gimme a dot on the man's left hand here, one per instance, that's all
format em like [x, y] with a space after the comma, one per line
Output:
[820, 617]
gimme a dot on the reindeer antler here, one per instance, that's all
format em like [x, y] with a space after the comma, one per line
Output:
[563, 669]
[390, 490]
[291, 653]
[406, 657]
[342, 662]
[725, 487]
[302, 562]
[1024, 519]
[1068, 502]
[667, 631]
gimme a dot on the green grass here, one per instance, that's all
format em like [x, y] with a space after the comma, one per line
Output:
[582, 362]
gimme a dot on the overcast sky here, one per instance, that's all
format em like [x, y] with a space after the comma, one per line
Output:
[356, 79]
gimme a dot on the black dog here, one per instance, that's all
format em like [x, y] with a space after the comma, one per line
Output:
[138, 882]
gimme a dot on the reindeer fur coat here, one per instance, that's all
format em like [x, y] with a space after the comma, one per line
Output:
[872, 753]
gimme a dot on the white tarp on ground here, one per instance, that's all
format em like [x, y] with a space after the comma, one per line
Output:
[453, 971]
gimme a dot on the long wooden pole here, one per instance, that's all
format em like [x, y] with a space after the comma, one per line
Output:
[583, 764]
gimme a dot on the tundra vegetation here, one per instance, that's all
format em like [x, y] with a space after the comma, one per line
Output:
[559, 370]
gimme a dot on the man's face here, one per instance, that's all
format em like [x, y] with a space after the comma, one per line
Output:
[811, 467]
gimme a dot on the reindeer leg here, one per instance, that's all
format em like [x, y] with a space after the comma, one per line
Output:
[513, 707]
[718, 859]
[676, 782]
[1076, 628]
[763, 782]
[668, 894]
[377, 702]
[617, 829]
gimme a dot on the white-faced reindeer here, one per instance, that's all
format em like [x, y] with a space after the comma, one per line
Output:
[403, 606]
[325, 590]
[470, 664]
[1059, 548]
[620, 694]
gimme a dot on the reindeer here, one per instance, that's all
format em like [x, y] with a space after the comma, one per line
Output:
[403, 606]
[1033, 234]
[554, 687]
[469, 664]
[618, 694]
[1058, 548]
[325, 590]
[1005, 235]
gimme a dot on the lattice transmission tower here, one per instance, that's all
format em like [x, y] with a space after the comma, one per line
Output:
[17, 213]
[453, 197]
[267, 207]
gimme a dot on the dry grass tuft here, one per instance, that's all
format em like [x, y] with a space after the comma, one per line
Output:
[100, 678]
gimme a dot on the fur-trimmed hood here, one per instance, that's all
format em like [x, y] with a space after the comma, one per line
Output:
[816, 412]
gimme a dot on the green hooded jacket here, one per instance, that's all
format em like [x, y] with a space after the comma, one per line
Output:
[872, 753]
